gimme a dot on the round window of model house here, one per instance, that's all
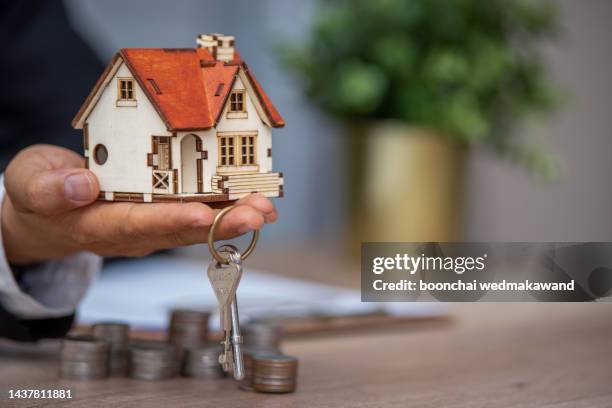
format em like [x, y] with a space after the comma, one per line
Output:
[100, 154]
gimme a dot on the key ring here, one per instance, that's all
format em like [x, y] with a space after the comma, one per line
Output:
[211, 238]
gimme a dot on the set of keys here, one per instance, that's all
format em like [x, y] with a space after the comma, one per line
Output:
[224, 279]
[224, 274]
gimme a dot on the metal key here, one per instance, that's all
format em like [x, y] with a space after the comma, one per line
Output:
[236, 337]
[226, 284]
[238, 361]
[226, 358]
[224, 280]
[232, 356]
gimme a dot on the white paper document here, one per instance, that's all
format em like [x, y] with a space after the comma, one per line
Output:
[142, 292]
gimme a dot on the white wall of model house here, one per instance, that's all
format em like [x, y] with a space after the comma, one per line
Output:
[126, 132]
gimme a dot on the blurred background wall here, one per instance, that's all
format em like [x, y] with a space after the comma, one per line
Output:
[503, 202]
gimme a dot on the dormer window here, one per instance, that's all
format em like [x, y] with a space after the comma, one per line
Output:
[126, 89]
[237, 101]
[237, 104]
[126, 92]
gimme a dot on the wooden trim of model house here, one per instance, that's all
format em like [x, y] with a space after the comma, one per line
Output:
[175, 181]
[164, 153]
[160, 157]
[200, 181]
[85, 137]
[164, 178]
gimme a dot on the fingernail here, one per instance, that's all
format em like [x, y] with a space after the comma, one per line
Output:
[244, 229]
[77, 187]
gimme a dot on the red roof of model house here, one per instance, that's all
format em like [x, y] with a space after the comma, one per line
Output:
[187, 87]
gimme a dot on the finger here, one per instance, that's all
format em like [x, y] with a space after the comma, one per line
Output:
[262, 204]
[48, 180]
[257, 201]
[158, 226]
[118, 222]
[237, 222]
[57, 191]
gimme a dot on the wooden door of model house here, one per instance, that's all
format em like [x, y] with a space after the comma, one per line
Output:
[161, 160]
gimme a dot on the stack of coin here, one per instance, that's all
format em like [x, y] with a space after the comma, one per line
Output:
[274, 373]
[246, 384]
[188, 328]
[83, 358]
[203, 362]
[117, 335]
[153, 360]
[262, 336]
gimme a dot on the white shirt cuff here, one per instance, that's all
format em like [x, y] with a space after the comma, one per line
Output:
[52, 289]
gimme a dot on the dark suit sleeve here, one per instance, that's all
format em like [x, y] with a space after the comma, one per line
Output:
[14, 328]
[46, 73]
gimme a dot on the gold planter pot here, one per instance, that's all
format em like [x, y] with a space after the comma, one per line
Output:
[406, 184]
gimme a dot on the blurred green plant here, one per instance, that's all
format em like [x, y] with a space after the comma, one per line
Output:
[469, 69]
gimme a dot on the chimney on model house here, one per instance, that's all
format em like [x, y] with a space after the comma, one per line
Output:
[220, 46]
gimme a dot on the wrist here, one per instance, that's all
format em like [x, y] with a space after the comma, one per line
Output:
[25, 238]
[15, 252]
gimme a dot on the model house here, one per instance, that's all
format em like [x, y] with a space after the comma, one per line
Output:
[187, 124]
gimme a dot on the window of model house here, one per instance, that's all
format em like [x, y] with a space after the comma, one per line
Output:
[237, 103]
[126, 89]
[100, 154]
[247, 150]
[238, 150]
[226, 151]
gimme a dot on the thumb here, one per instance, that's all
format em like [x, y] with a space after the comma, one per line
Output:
[57, 191]
[49, 180]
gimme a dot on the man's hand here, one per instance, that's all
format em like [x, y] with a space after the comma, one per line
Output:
[50, 211]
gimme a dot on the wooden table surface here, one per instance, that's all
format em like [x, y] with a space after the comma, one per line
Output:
[493, 355]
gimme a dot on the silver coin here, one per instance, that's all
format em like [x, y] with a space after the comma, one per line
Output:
[83, 357]
[188, 328]
[203, 363]
[273, 372]
[153, 360]
[262, 335]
